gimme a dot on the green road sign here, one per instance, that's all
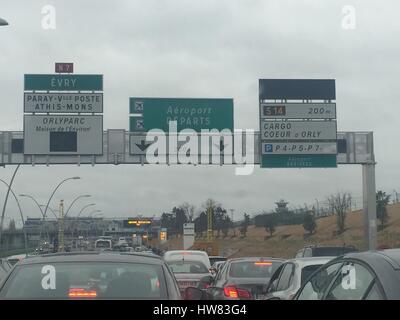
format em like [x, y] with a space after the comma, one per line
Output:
[63, 82]
[196, 114]
[299, 161]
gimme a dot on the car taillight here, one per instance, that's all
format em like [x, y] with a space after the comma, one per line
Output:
[231, 292]
[82, 293]
[243, 293]
[262, 263]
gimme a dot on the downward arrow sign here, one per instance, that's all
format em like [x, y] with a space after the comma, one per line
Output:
[143, 146]
[221, 146]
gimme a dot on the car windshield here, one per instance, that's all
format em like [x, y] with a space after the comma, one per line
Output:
[187, 267]
[89, 280]
[331, 251]
[253, 269]
[307, 271]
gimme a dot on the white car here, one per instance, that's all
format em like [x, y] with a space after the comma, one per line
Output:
[188, 266]
[188, 255]
[290, 276]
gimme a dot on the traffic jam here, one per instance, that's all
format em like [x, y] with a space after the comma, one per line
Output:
[315, 273]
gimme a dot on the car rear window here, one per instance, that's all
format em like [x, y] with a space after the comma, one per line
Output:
[308, 271]
[253, 269]
[181, 266]
[91, 280]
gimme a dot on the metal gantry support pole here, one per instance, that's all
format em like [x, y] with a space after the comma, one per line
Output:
[369, 206]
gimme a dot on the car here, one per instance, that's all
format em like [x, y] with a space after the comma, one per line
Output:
[369, 275]
[214, 259]
[289, 277]
[91, 275]
[240, 278]
[188, 271]
[178, 254]
[324, 251]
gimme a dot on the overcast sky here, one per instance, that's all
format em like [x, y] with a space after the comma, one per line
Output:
[206, 49]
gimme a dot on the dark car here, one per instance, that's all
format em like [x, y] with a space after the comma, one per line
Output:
[324, 251]
[370, 275]
[241, 278]
[91, 275]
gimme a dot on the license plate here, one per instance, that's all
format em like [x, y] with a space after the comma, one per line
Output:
[185, 284]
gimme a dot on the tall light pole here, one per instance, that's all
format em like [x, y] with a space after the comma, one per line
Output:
[77, 198]
[87, 206]
[91, 213]
[20, 212]
[51, 209]
[5, 201]
[3, 22]
[55, 189]
[34, 200]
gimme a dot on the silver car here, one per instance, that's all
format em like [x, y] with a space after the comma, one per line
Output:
[290, 276]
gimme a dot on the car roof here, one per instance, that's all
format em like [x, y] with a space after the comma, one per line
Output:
[392, 256]
[200, 252]
[94, 256]
[307, 261]
[330, 246]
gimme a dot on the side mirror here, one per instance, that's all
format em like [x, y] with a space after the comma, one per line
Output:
[192, 293]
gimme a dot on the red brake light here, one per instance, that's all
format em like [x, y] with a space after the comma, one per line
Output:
[82, 293]
[243, 293]
[231, 292]
[263, 263]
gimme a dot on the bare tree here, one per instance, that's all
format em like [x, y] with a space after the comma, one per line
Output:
[340, 204]
[189, 210]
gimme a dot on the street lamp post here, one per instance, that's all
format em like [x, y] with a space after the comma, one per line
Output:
[87, 206]
[51, 209]
[34, 200]
[91, 213]
[22, 216]
[6, 199]
[43, 217]
[55, 189]
[76, 199]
